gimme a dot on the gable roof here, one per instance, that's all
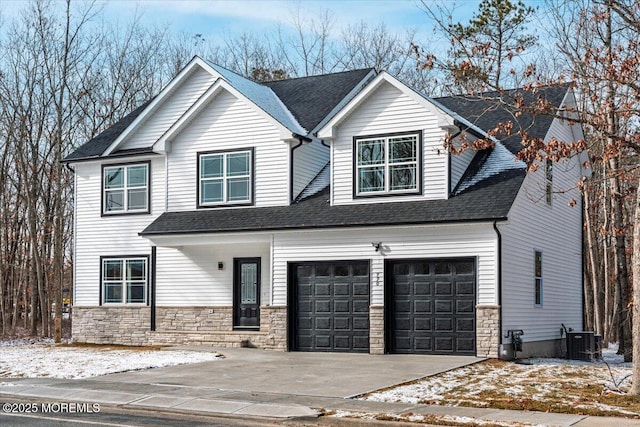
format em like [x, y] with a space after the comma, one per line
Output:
[298, 104]
[312, 98]
[99, 143]
[485, 111]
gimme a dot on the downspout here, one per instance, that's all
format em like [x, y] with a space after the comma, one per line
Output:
[152, 291]
[499, 280]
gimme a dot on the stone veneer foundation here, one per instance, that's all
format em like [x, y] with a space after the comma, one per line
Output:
[214, 326]
[177, 325]
[487, 331]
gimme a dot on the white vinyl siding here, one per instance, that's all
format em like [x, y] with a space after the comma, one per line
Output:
[308, 160]
[169, 110]
[460, 163]
[387, 110]
[189, 276]
[554, 230]
[226, 124]
[442, 241]
[98, 235]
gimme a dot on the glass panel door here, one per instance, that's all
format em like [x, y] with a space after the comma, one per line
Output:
[246, 298]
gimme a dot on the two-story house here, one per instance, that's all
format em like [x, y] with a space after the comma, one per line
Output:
[323, 214]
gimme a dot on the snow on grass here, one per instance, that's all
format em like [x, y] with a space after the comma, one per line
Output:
[557, 385]
[450, 420]
[71, 362]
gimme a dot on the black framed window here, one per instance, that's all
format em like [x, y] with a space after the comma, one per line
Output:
[538, 278]
[225, 178]
[387, 164]
[125, 189]
[124, 280]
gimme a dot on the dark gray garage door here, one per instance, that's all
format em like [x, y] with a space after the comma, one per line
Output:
[330, 302]
[431, 306]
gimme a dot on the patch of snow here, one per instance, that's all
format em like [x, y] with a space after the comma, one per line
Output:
[500, 160]
[317, 184]
[26, 341]
[36, 361]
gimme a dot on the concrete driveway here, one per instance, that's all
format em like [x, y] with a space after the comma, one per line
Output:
[307, 374]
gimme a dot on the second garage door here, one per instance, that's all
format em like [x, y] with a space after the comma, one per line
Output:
[431, 306]
[330, 302]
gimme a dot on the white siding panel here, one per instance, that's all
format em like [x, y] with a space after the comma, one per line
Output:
[443, 241]
[170, 110]
[556, 231]
[97, 236]
[189, 276]
[227, 124]
[388, 110]
[307, 162]
[460, 163]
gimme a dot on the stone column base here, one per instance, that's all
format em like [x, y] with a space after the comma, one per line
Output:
[488, 331]
[376, 329]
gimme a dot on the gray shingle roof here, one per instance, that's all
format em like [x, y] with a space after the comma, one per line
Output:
[311, 99]
[488, 200]
[485, 111]
[99, 143]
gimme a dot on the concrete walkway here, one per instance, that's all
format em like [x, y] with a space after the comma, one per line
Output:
[283, 385]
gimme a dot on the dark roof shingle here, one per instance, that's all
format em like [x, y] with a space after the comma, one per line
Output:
[311, 99]
[485, 111]
[488, 200]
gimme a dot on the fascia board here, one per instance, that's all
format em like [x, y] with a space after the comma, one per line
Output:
[444, 119]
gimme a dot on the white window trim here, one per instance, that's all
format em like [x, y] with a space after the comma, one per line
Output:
[125, 188]
[387, 165]
[225, 178]
[123, 281]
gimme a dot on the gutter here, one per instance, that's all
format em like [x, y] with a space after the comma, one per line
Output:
[499, 280]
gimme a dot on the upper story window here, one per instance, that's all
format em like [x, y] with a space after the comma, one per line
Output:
[125, 188]
[387, 164]
[225, 178]
[548, 177]
[124, 280]
[537, 290]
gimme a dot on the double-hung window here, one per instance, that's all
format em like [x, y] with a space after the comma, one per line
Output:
[125, 188]
[124, 280]
[387, 164]
[225, 178]
[538, 278]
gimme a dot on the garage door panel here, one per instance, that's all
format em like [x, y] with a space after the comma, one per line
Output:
[341, 289]
[444, 344]
[422, 306]
[444, 324]
[465, 306]
[465, 344]
[443, 306]
[331, 306]
[465, 288]
[422, 288]
[431, 305]
[361, 324]
[465, 325]
[444, 288]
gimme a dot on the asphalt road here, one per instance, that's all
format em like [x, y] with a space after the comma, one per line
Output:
[16, 415]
